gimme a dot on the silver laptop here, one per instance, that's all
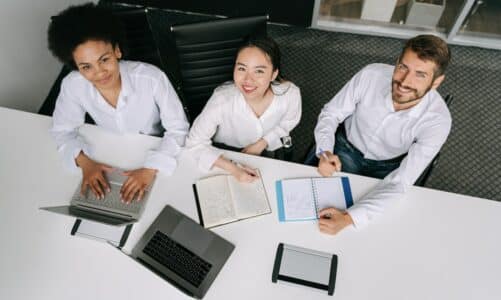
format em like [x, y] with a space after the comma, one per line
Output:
[182, 252]
[110, 210]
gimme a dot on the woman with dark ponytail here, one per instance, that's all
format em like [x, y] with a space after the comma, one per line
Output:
[253, 113]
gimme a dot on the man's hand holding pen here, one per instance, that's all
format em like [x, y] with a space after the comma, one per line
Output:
[328, 164]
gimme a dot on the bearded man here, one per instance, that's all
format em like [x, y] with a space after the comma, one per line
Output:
[395, 122]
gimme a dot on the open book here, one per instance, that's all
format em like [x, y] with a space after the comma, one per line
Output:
[303, 198]
[222, 199]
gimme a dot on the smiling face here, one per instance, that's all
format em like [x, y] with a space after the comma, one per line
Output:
[253, 73]
[412, 79]
[97, 61]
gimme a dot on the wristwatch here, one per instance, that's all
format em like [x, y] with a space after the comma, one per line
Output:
[286, 141]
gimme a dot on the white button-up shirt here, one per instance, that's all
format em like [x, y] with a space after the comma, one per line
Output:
[380, 133]
[227, 118]
[147, 104]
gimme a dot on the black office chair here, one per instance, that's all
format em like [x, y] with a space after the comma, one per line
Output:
[421, 181]
[205, 54]
[310, 158]
[49, 103]
[139, 45]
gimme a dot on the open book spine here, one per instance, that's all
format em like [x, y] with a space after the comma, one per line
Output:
[315, 198]
[197, 202]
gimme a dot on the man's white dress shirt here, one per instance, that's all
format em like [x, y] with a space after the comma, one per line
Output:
[380, 133]
[227, 118]
[147, 104]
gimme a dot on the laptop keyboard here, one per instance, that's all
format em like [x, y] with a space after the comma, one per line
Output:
[177, 258]
[111, 201]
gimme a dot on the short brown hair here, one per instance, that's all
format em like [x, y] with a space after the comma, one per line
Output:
[430, 47]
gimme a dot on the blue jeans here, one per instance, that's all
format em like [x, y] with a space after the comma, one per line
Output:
[353, 161]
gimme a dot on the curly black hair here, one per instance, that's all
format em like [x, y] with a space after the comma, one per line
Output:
[79, 24]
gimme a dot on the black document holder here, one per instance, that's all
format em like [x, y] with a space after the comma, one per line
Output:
[306, 267]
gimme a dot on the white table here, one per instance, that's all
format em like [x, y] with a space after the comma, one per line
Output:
[432, 245]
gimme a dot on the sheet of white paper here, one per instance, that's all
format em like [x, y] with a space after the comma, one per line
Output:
[249, 198]
[100, 231]
[329, 193]
[298, 199]
[306, 266]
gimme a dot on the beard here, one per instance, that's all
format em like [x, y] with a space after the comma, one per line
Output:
[411, 96]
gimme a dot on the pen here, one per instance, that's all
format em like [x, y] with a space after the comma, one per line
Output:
[249, 170]
[322, 152]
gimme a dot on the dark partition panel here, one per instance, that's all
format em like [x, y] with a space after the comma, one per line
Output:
[294, 12]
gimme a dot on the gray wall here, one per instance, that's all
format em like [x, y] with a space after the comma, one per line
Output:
[27, 69]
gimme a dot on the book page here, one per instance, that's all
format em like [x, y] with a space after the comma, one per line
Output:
[249, 198]
[298, 199]
[329, 192]
[215, 200]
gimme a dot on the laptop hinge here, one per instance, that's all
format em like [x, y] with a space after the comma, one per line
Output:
[104, 212]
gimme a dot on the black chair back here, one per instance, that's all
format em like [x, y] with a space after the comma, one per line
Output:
[205, 55]
[421, 181]
[140, 45]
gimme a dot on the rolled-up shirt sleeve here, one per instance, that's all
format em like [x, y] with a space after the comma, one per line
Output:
[67, 118]
[175, 123]
[288, 121]
[394, 186]
[199, 141]
[335, 112]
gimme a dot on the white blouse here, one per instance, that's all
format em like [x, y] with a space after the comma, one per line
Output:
[227, 118]
[147, 104]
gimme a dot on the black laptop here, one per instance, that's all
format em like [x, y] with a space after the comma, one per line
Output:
[182, 252]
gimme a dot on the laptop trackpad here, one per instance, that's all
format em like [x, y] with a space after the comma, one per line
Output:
[190, 234]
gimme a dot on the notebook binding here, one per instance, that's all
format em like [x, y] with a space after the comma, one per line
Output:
[315, 196]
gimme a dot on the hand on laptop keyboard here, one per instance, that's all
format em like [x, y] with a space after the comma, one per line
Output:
[93, 176]
[137, 184]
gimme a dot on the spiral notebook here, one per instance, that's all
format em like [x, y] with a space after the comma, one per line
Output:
[301, 199]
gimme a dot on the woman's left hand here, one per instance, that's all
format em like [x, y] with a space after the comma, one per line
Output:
[137, 184]
[257, 148]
